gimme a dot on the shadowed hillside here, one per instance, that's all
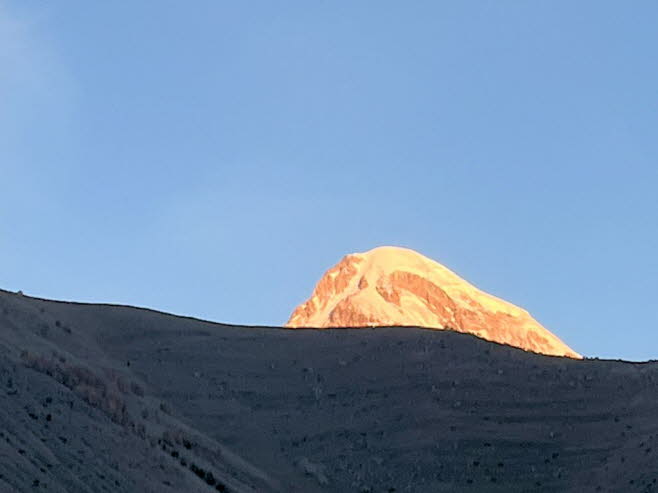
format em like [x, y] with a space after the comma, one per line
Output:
[111, 398]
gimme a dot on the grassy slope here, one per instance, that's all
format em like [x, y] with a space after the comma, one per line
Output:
[139, 396]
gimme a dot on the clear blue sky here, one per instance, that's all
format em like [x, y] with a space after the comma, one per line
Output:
[214, 158]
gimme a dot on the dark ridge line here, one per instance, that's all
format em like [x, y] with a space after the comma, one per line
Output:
[132, 307]
[316, 329]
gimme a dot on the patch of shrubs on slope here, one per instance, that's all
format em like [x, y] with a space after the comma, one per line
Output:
[85, 383]
[205, 475]
[104, 394]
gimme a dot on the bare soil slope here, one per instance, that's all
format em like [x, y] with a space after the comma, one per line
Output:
[110, 398]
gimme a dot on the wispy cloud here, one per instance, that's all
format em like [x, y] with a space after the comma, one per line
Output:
[28, 65]
[36, 104]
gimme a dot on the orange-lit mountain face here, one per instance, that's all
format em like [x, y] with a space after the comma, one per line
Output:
[391, 286]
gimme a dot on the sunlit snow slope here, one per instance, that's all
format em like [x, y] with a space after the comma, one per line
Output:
[392, 286]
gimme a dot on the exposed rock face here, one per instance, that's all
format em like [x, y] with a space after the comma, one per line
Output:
[391, 286]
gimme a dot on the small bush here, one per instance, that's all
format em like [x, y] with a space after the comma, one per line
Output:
[199, 471]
